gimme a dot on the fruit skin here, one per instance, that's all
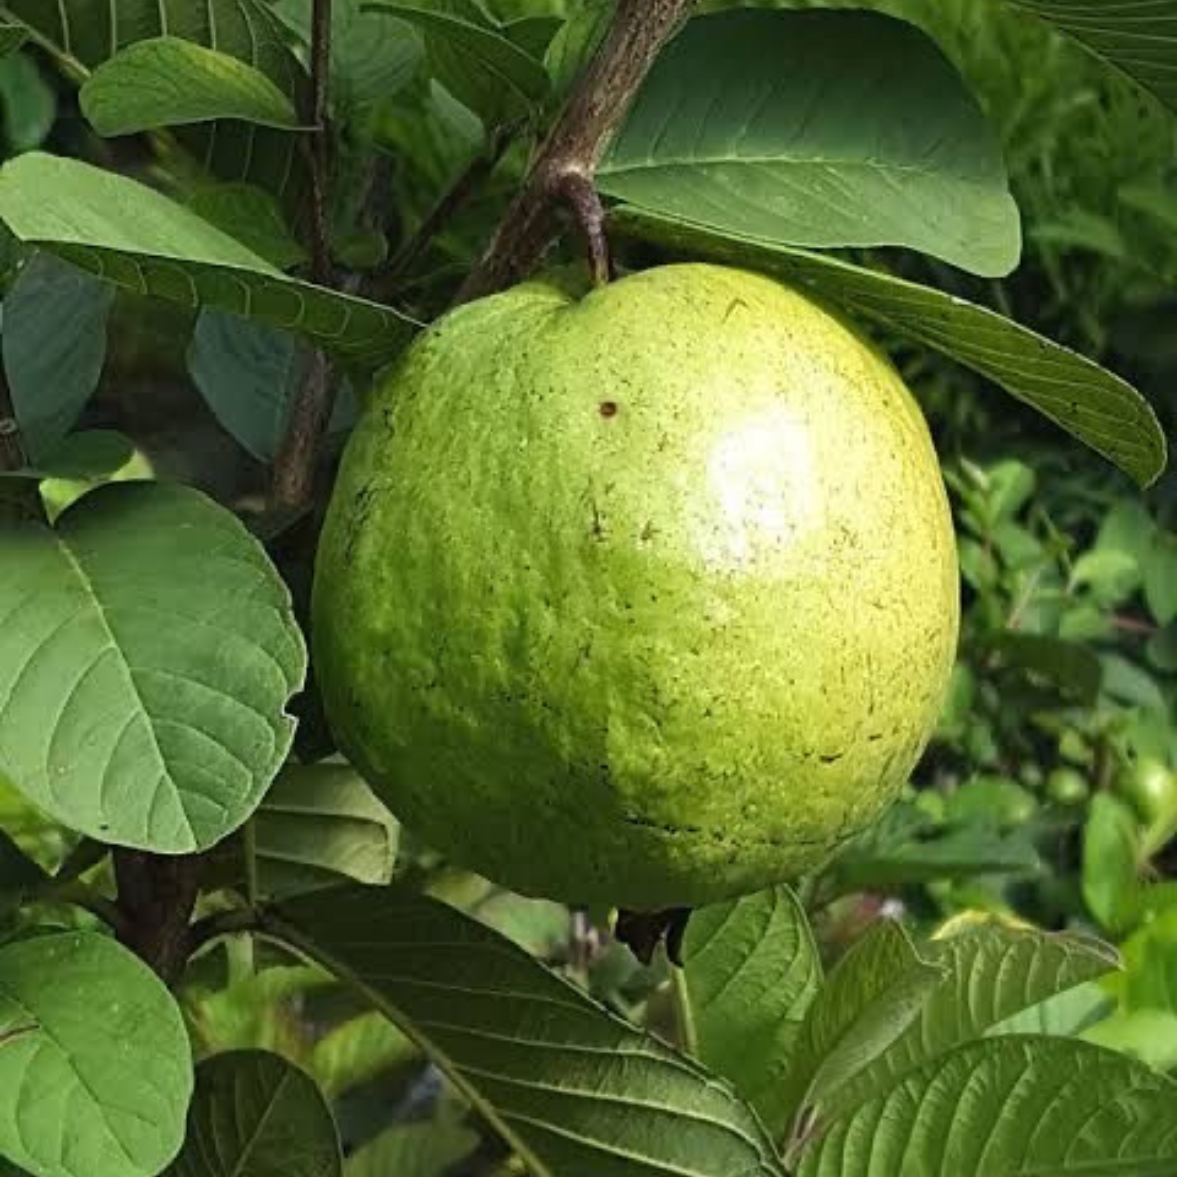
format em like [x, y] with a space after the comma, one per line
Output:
[1149, 787]
[645, 597]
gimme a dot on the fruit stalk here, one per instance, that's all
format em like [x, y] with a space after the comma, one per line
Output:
[567, 160]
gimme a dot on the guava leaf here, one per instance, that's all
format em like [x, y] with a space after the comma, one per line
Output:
[12, 37]
[1089, 402]
[54, 343]
[137, 239]
[818, 128]
[871, 997]
[148, 651]
[992, 972]
[473, 58]
[358, 1051]
[751, 970]
[82, 34]
[413, 1150]
[320, 823]
[256, 1113]
[1112, 857]
[1139, 38]
[167, 81]
[20, 876]
[252, 216]
[573, 1089]
[95, 1066]
[1009, 1107]
[249, 373]
[372, 56]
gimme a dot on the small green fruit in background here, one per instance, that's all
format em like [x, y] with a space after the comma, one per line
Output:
[644, 596]
[1067, 786]
[1150, 788]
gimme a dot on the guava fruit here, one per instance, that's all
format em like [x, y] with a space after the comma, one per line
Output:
[644, 596]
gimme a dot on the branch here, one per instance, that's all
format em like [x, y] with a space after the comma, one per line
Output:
[567, 161]
[294, 466]
[157, 895]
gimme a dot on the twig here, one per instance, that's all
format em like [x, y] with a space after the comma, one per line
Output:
[156, 898]
[566, 163]
[294, 466]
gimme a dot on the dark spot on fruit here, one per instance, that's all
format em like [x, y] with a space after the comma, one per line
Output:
[609, 409]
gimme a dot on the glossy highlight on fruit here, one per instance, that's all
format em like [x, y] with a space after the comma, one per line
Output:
[645, 596]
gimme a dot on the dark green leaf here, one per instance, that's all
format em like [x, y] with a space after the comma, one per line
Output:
[533, 34]
[91, 456]
[12, 37]
[992, 971]
[1073, 668]
[28, 103]
[148, 650]
[874, 993]
[1010, 1107]
[822, 129]
[320, 822]
[82, 34]
[751, 971]
[372, 57]
[249, 374]
[167, 82]
[473, 58]
[1094, 405]
[575, 43]
[256, 1115]
[1139, 37]
[95, 1067]
[575, 1091]
[54, 343]
[20, 876]
[139, 240]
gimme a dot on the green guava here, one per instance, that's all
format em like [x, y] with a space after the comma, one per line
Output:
[644, 596]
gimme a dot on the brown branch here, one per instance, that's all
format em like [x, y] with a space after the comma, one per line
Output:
[156, 898]
[567, 161]
[294, 466]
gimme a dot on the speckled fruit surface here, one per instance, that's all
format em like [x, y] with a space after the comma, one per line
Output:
[646, 597]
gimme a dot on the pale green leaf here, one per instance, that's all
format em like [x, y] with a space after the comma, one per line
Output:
[1010, 1107]
[139, 240]
[256, 1115]
[751, 971]
[1088, 401]
[359, 1050]
[817, 128]
[54, 343]
[473, 58]
[1111, 863]
[95, 1068]
[148, 651]
[575, 42]
[320, 823]
[167, 82]
[1137, 36]
[872, 996]
[413, 1150]
[574, 1090]
[992, 971]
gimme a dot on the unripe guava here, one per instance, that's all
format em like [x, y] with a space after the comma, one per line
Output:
[645, 596]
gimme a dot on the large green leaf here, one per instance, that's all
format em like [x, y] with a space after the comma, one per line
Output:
[1138, 36]
[139, 240]
[167, 81]
[992, 972]
[147, 653]
[249, 374]
[83, 34]
[320, 823]
[1010, 1107]
[372, 56]
[95, 1068]
[751, 970]
[872, 996]
[574, 1090]
[818, 128]
[473, 58]
[54, 342]
[256, 1114]
[1089, 402]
